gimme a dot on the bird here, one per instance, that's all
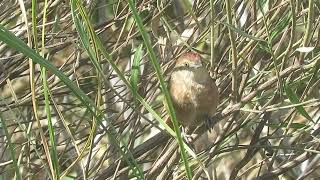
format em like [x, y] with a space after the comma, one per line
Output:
[194, 93]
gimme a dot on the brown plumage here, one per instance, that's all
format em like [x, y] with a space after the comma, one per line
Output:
[194, 94]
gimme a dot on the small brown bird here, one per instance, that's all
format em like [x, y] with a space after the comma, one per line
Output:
[194, 94]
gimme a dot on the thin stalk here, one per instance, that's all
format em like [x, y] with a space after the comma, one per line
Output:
[164, 89]
[213, 59]
[53, 151]
[234, 70]
[308, 31]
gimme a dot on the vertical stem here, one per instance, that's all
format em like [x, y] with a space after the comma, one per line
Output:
[212, 62]
[234, 55]
[292, 33]
[307, 36]
[33, 85]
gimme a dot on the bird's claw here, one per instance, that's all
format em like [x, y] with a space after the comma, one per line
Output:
[209, 122]
[267, 147]
[187, 138]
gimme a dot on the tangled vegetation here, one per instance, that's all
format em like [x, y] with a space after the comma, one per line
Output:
[82, 86]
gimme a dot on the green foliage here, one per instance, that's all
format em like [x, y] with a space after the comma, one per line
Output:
[72, 105]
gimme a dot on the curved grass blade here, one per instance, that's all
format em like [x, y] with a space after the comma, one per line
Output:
[292, 96]
[164, 89]
[91, 43]
[135, 72]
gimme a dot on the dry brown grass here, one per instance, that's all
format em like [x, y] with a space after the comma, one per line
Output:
[268, 82]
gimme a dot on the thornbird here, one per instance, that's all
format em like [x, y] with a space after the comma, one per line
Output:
[194, 94]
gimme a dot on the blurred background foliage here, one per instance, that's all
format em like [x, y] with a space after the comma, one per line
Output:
[80, 95]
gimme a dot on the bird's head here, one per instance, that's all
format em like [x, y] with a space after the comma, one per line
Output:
[189, 67]
[188, 61]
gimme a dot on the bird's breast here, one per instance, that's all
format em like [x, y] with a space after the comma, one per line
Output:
[193, 97]
[186, 91]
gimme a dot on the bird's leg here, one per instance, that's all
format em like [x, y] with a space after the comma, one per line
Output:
[209, 121]
[264, 142]
[187, 137]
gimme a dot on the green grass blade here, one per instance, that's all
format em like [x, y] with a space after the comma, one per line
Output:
[53, 147]
[135, 71]
[90, 42]
[240, 32]
[293, 97]
[164, 89]
[17, 44]
[11, 147]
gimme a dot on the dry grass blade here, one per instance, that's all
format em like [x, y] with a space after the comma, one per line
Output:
[101, 115]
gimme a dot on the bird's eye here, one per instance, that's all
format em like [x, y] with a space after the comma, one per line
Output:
[186, 64]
